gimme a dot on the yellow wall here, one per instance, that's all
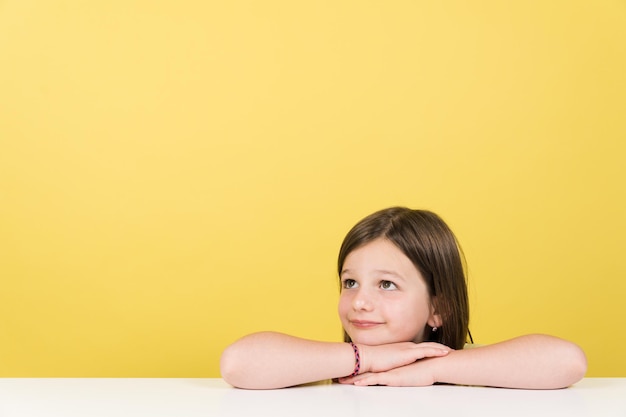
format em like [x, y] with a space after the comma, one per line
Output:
[176, 174]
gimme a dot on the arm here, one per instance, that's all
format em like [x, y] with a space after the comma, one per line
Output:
[274, 360]
[531, 362]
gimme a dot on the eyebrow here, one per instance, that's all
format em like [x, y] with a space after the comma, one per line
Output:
[379, 271]
[386, 272]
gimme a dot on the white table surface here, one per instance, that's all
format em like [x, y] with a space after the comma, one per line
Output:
[31, 397]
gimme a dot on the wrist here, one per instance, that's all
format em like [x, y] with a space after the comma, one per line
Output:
[357, 359]
[364, 353]
[435, 367]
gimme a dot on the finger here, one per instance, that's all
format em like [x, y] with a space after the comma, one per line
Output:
[394, 378]
[350, 380]
[406, 357]
[380, 378]
[429, 352]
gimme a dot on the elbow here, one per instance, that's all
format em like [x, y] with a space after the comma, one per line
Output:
[236, 367]
[564, 363]
[242, 363]
[230, 367]
[577, 364]
[572, 365]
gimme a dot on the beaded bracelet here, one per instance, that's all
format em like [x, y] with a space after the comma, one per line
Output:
[357, 360]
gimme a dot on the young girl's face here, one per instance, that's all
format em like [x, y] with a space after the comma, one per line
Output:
[384, 298]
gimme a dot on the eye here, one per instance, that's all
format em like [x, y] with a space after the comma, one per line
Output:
[348, 283]
[388, 285]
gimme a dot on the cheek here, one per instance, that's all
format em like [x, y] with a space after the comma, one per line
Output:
[343, 305]
[414, 309]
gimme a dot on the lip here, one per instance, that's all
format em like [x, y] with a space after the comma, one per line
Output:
[365, 324]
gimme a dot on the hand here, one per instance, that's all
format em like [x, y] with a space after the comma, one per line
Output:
[382, 358]
[413, 375]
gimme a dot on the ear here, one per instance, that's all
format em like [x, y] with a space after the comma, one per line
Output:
[434, 320]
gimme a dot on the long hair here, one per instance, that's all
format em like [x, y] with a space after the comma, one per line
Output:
[432, 247]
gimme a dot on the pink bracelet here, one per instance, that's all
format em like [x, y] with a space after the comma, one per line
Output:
[357, 360]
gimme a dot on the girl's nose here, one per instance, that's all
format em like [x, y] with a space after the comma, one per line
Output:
[362, 302]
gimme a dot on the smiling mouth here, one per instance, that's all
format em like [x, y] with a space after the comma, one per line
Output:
[364, 324]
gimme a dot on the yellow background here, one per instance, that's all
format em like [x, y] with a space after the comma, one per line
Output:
[174, 175]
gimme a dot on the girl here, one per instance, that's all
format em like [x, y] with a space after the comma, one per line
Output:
[405, 314]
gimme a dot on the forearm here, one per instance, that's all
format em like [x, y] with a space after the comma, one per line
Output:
[533, 362]
[274, 360]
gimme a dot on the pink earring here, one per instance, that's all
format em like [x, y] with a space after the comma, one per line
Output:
[434, 329]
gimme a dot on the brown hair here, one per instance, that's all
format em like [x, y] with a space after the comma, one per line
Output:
[432, 247]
